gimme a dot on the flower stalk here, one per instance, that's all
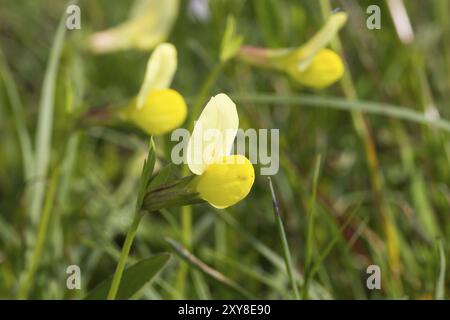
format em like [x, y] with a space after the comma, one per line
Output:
[131, 234]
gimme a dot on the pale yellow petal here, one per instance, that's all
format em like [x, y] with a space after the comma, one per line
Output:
[161, 67]
[214, 133]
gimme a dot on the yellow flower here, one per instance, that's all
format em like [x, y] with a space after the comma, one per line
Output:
[223, 179]
[311, 64]
[150, 23]
[158, 109]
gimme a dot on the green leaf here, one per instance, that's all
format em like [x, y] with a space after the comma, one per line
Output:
[172, 194]
[133, 279]
[147, 171]
[169, 199]
[161, 178]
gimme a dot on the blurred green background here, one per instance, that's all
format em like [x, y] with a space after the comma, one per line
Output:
[392, 176]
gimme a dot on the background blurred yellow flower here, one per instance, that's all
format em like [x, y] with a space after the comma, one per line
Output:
[149, 23]
[325, 69]
[311, 64]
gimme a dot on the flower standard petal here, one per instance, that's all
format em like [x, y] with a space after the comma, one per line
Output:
[213, 134]
[161, 68]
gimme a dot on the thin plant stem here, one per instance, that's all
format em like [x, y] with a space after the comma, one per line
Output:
[131, 234]
[123, 257]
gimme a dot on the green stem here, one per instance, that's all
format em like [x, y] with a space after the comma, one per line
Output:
[147, 171]
[124, 256]
[28, 279]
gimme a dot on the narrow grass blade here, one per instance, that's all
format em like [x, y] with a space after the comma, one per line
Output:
[45, 122]
[339, 103]
[440, 284]
[134, 278]
[18, 117]
[310, 229]
[183, 253]
[284, 242]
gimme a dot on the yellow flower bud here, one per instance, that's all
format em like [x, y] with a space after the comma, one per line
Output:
[325, 69]
[226, 182]
[162, 111]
